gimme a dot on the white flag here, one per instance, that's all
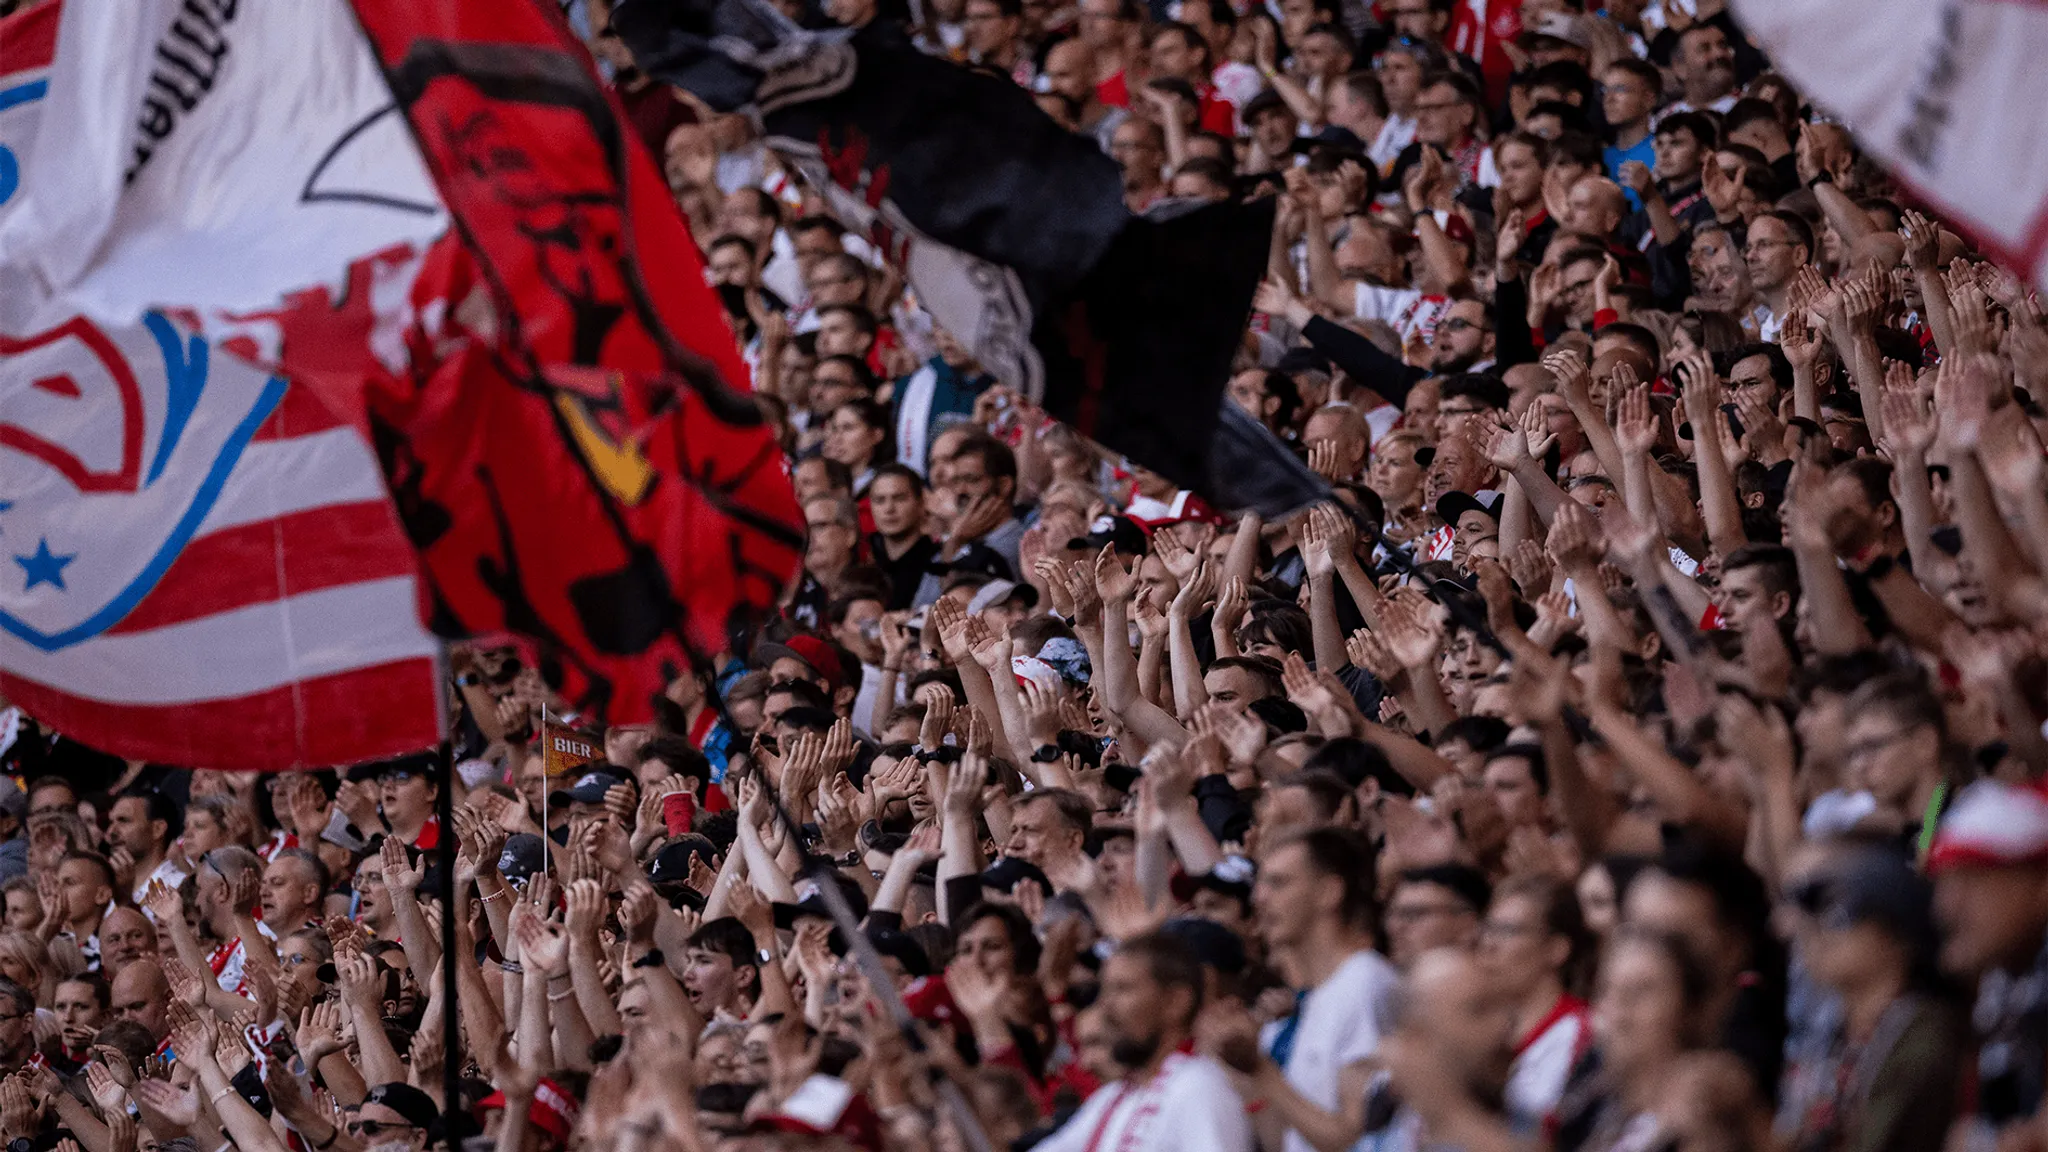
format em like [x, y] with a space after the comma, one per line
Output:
[216, 154]
[1950, 95]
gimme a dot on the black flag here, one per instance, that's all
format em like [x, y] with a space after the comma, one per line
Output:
[1012, 230]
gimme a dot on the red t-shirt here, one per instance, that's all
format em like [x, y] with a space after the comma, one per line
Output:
[1218, 115]
[1114, 92]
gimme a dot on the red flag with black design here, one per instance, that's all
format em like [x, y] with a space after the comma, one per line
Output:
[573, 449]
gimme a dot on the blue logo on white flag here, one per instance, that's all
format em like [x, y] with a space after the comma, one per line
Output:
[115, 447]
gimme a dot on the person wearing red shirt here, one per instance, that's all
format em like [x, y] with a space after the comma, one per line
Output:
[1178, 51]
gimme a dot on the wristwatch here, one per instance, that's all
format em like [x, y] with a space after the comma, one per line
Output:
[1046, 754]
[651, 959]
[765, 956]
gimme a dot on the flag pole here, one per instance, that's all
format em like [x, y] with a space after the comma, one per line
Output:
[451, 1021]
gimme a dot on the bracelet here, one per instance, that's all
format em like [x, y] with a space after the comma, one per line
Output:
[215, 1098]
[498, 895]
[512, 966]
[333, 1134]
[564, 996]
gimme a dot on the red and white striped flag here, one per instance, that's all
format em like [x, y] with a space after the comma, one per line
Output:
[198, 561]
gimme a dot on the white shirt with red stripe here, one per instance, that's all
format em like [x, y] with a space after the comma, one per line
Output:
[229, 959]
[1545, 1058]
[1189, 1106]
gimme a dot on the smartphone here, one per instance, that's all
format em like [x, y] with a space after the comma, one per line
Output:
[679, 812]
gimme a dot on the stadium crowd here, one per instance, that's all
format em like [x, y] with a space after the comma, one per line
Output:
[1643, 750]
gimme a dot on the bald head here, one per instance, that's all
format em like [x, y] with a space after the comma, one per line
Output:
[1070, 69]
[125, 937]
[1595, 206]
[142, 995]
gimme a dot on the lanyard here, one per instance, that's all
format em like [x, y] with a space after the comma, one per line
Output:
[1928, 819]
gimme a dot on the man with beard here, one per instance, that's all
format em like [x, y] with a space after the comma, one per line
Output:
[1705, 65]
[1170, 1100]
[1463, 341]
[1314, 901]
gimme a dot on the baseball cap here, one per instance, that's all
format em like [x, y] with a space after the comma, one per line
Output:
[813, 652]
[671, 865]
[1454, 504]
[904, 947]
[553, 1111]
[1068, 658]
[1005, 874]
[1991, 825]
[1120, 532]
[1559, 26]
[416, 1106]
[811, 903]
[1232, 876]
[414, 764]
[999, 592]
[13, 801]
[588, 789]
[523, 855]
[1331, 138]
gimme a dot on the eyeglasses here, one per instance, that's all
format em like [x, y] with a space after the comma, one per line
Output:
[1460, 324]
[1413, 913]
[376, 1128]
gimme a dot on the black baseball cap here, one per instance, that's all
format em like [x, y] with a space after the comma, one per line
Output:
[672, 863]
[524, 854]
[812, 903]
[416, 1106]
[588, 789]
[1454, 504]
[415, 764]
[1120, 532]
[1005, 874]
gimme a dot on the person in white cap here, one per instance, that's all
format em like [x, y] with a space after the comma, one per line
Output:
[1989, 862]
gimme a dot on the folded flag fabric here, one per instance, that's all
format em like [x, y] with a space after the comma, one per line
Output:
[1013, 231]
[1939, 92]
[198, 562]
[445, 258]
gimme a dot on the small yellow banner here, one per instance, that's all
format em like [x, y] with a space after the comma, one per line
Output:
[564, 749]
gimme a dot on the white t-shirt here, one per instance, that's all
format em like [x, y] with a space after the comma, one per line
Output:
[1189, 1107]
[1340, 1024]
[1394, 138]
[1545, 1058]
[169, 873]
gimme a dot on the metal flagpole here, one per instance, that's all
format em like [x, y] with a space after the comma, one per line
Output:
[864, 954]
[451, 1021]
